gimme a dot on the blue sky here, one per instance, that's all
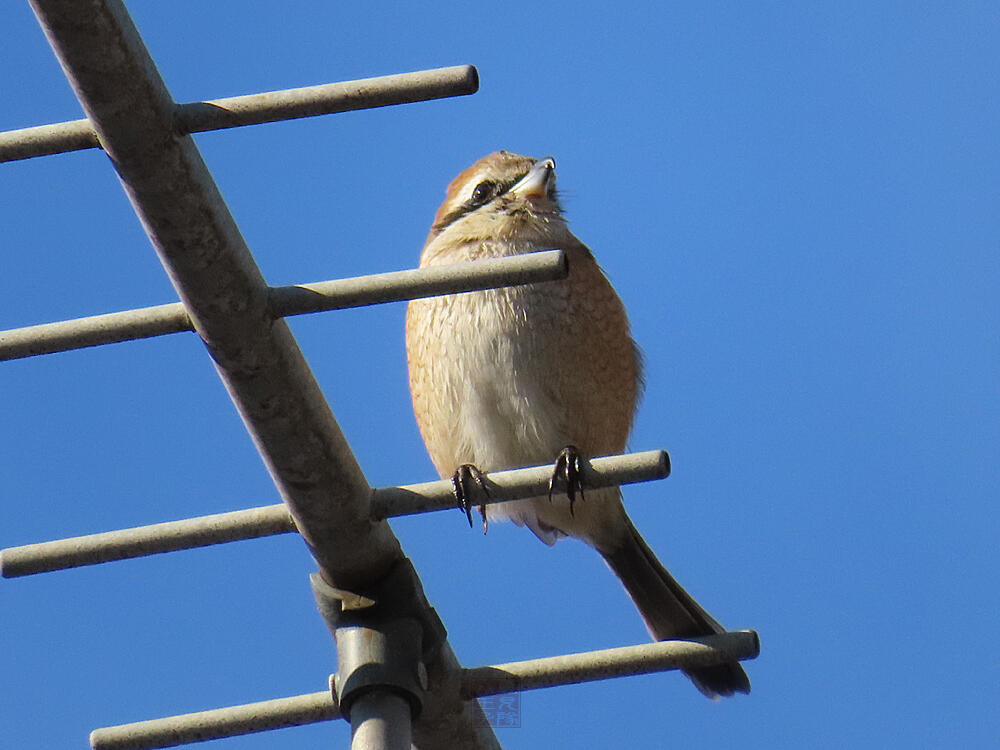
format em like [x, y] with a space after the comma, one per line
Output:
[798, 205]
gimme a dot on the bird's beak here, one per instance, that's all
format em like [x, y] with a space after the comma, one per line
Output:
[536, 183]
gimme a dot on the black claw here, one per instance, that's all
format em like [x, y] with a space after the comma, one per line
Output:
[460, 488]
[459, 492]
[567, 472]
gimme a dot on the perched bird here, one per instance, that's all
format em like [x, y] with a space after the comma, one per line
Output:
[525, 375]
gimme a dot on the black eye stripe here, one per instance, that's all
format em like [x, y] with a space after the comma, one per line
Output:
[450, 218]
[474, 202]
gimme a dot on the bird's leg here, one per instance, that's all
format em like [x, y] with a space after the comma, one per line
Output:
[567, 472]
[461, 488]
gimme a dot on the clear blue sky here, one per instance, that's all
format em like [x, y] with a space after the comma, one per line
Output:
[798, 204]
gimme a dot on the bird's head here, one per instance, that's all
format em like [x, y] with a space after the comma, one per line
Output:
[501, 197]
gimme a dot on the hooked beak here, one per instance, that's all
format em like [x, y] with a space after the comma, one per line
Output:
[536, 183]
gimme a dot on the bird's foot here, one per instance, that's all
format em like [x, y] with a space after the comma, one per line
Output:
[567, 472]
[461, 482]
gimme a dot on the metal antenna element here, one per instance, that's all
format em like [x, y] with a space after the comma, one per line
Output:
[217, 114]
[253, 523]
[398, 681]
[228, 303]
[522, 675]
[284, 301]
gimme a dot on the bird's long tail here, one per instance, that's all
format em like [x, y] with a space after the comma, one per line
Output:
[669, 611]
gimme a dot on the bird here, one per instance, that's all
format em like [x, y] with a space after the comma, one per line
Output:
[539, 373]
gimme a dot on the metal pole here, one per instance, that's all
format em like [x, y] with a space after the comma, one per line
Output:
[268, 520]
[232, 721]
[147, 322]
[271, 106]
[380, 721]
[466, 684]
[227, 299]
[606, 663]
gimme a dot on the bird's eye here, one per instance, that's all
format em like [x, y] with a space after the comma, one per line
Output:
[484, 191]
